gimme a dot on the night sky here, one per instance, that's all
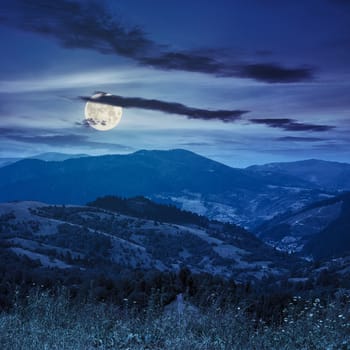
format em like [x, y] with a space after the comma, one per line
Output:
[240, 81]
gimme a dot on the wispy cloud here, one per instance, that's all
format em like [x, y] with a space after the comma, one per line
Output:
[300, 139]
[290, 124]
[265, 72]
[89, 25]
[167, 107]
[45, 137]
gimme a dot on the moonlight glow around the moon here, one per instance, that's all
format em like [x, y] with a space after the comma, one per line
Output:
[101, 116]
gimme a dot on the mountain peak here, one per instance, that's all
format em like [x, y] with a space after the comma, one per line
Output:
[175, 151]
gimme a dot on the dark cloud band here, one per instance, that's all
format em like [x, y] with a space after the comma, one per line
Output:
[167, 107]
[274, 73]
[89, 25]
[300, 139]
[290, 124]
[193, 62]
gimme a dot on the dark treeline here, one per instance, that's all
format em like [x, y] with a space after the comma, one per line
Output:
[144, 208]
[135, 287]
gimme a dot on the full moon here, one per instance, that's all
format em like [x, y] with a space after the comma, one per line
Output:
[101, 116]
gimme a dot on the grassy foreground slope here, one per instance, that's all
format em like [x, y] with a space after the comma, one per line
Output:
[55, 323]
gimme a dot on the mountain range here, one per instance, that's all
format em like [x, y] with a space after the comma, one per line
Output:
[323, 174]
[295, 207]
[243, 196]
[47, 156]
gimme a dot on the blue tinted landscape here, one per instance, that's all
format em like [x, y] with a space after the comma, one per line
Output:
[174, 175]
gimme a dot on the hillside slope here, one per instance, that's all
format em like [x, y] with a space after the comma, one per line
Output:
[320, 229]
[67, 237]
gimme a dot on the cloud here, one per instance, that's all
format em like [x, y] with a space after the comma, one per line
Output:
[189, 61]
[89, 25]
[5, 132]
[77, 25]
[291, 124]
[87, 122]
[299, 139]
[274, 73]
[167, 107]
[58, 140]
[193, 62]
[195, 144]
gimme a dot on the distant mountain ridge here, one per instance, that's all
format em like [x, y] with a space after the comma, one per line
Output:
[57, 157]
[179, 177]
[48, 156]
[323, 174]
[8, 161]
